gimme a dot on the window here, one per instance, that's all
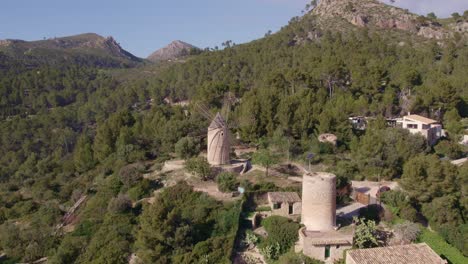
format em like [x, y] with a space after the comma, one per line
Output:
[412, 126]
[327, 251]
[337, 246]
[276, 206]
[425, 126]
[290, 209]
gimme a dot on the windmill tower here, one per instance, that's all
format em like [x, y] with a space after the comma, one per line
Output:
[319, 201]
[321, 238]
[219, 145]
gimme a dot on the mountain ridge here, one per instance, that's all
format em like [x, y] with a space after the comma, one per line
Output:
[64, 47]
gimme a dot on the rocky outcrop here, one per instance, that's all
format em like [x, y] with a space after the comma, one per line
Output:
[432, 33]
[4, 43]
[359, 20]
[460, 27]
[372, 13]
[174, 50]
[115, 49]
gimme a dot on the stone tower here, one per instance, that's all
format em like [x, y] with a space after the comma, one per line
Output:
[219, 146]
[319, 201]
[321, 238]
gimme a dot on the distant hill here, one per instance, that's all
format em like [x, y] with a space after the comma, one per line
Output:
[88, 48]
[174, 50]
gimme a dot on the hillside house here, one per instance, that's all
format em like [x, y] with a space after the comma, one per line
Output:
[285, 203]
[428, 128]
[403, 254]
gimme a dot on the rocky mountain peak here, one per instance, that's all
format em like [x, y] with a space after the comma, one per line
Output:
[174, 50]
[373, 13]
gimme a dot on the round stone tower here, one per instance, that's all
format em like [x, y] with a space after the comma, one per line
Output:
[219, 146]
[319, 201]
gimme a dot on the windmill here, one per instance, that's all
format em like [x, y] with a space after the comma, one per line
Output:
[218, 136]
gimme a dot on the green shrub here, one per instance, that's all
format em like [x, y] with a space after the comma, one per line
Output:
[227, 182]
[264, 187]
[441, 247]
[271, 250]
[69, 250]
[457, 236]
[130, 175]
[251, 238]
[449, 149]
[3, 217]
[186, 148]
[85, 228]
[365, 235]
[264, 158]
[296, 258]
[263, 209]
[409, 213]
[400, 202]
[22, 208]
[200, 167]
[199, 227]
[120, 204]
[282, 234]
[140, 190]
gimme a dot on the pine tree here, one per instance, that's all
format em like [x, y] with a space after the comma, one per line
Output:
[83, 154]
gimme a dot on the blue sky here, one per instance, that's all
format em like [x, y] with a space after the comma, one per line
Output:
[142, 26]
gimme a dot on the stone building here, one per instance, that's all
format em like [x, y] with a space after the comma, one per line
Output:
[321, 238]
[284, 203]
[327, 246]
[402, 254]
[218, 143]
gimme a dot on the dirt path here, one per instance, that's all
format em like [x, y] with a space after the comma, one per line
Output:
[211, 188]
[69, 217]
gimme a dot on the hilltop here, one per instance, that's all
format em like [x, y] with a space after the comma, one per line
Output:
[90, 45]
[373, 14]
[174, 50]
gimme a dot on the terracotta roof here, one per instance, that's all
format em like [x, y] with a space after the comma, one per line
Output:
[421, 119]
[332, 237]
[405, 254]
[283, 197]
[218, 122]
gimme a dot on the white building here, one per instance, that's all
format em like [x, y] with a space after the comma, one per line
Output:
[428, 128]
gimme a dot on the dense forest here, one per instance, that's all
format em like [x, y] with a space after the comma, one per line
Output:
[75, 129]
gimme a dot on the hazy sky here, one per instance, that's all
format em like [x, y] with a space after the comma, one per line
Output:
[442, 8]
[142, 26]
